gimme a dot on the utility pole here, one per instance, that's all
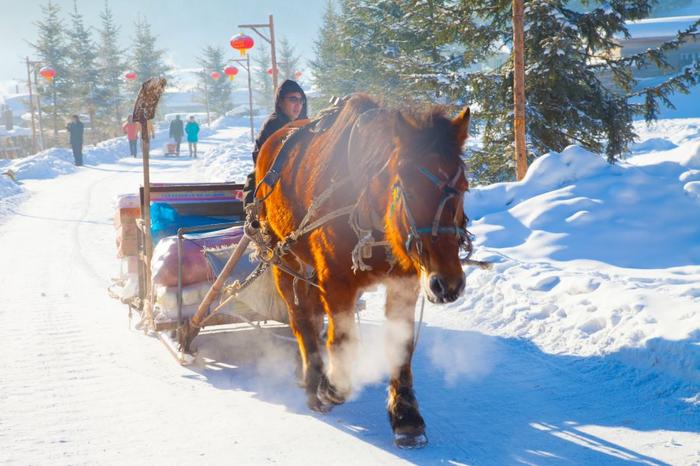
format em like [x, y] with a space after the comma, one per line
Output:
[246, 65]
[270, 40]
[206, 94]
[519, 90]
[31, 105]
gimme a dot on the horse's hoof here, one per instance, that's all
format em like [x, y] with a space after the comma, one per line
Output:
[328, 394]
[319, 406]
[410, 441]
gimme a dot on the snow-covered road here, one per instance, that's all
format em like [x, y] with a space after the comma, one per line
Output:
[78, 386]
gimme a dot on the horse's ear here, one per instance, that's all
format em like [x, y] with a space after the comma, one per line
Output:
[461, 122]
[403, 129]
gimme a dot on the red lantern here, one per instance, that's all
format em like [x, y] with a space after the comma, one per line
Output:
[298, 74]
[215, 75]
[231, 72]
[47, 73]
[269, 71]
[130, 76]
[242, 43]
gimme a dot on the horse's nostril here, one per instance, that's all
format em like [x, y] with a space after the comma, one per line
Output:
[437, 286]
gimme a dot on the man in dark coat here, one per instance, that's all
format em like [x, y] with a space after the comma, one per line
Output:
[290, 105]
[177, 131]
[75, 129]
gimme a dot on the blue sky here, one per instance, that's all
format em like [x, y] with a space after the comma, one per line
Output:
[183, 27]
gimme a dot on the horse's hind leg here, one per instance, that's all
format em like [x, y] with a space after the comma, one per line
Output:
[304, 320]
[402, 407]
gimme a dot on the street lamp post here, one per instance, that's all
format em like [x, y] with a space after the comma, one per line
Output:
[246, 65]
[32, 66]
[270, 40]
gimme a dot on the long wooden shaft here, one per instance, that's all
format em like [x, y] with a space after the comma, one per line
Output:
[519, 90]
[215, 289]
[148, 245]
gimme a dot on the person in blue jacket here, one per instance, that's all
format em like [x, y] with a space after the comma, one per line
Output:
[192, 130]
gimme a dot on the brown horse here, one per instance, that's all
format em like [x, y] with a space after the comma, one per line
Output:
[403, 178]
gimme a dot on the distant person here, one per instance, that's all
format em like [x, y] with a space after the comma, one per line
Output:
[176, 132]
[192, 130]
[76, 128]
[132, 130]
[290, 105]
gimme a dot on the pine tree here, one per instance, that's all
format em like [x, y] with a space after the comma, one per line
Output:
[262, 80]
[577, 89]
[51, 50]
[110, 99]
[398, 50]
[219, 91]
[287, 61]
[146, 59]
[325, 65]
[82, 69]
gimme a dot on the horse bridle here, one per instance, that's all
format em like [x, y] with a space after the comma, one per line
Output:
[447, 186]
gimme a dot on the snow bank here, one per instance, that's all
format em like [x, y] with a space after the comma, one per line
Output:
[595, 259]
[230, 160]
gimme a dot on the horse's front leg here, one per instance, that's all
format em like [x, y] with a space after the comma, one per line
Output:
[304, 318]
[339, 301]
[402, 407]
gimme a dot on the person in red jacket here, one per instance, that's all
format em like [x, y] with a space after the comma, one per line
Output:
[132, 130]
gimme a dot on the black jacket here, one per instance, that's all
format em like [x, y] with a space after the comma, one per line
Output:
[274, 122]
[176, 129]
[75, 129]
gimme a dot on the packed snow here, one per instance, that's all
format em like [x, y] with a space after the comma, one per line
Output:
[580, 346]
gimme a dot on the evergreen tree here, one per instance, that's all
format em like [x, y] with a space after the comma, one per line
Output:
[51, 50]
[287, 61]
[112, 106]
[219, 91]
[146, 59]
[398, 50]
[325, 65]
[262, 80]
[577, 89]
[82, 69]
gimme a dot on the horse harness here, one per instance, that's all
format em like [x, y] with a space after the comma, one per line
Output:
[273, 254]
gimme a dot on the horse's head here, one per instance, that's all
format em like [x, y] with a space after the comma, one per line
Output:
[425, 221]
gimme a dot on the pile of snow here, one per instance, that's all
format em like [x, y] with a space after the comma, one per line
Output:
[592, 258]
[230, 160]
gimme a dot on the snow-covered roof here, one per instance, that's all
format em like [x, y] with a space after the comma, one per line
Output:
[660, 27]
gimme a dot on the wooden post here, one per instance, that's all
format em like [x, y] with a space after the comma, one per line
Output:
[144, 110]
[189, 331]
[31, 105]
[519, 90]
[273, 54]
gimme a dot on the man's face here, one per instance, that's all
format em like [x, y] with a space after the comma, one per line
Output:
[292, 104]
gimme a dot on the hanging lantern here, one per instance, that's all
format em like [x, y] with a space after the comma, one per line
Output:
[298, 74]
[231, 72]
[47, 73]
[130, 76]
[215, 75]
[269, 71]
[242, 43]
